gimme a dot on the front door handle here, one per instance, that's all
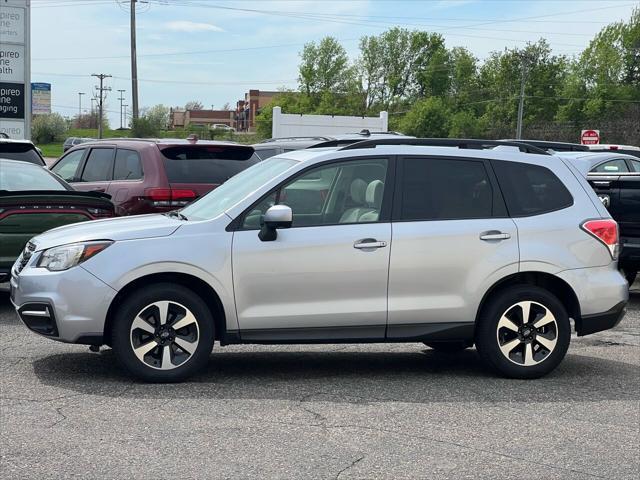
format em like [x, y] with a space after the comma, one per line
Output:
[369, 243]
[494, 235]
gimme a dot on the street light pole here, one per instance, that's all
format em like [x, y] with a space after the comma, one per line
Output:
[121, 100]
[125, 113]
[80, 104]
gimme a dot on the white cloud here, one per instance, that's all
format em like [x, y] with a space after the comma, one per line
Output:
[187, 26]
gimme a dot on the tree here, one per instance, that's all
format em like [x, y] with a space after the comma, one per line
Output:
[143, 127]
[158, 116]
[227, 107]
[194, 105]
[427, 118]
[48, 128]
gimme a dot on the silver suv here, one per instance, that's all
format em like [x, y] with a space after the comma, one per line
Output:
[381, 241]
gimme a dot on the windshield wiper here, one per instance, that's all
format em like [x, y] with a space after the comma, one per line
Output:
[177, 214]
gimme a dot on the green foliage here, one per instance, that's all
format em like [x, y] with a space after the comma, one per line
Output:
[143, 127]
[428, 118]
[48, 128]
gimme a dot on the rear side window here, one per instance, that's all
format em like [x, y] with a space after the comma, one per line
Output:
[531, 189]
[635, 165]
[205, 164]
[127, 165]
[23, 152]
[441, 189]
[612, 166]
[99, 165]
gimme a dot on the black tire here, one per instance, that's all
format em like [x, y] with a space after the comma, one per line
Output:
[181, 301]
[630, 275]
[488, 333]
[449, 347]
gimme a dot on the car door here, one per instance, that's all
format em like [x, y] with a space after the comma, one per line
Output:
[97, 170]
[452, 240]
[127, 184]
[326, 276]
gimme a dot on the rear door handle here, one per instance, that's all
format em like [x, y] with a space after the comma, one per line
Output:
[368, 243]
[494, 235]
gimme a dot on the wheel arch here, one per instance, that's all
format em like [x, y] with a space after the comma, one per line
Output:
[205, 291]
[555, 285]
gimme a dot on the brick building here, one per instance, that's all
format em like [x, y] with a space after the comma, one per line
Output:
[248, 109]
[180, 118]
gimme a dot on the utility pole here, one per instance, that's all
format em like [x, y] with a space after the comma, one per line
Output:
[101, 90]
[523, 80]
[134, 63]
[125, 114]
[121, 100]
[80, 104]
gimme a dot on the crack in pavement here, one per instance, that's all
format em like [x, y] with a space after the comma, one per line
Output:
[351, 465]
[60, 420]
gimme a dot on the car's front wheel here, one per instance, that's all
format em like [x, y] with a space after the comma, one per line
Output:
[163, 333]
[523, 332]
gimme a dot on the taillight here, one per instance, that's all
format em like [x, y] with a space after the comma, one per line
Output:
[100, 212]
[170, 197]
[606, 231]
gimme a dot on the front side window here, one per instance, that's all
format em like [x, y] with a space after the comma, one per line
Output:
[127, 165]
[67, 167]
[442, 189]
[99, 165]
[612, 166]
[338, 193]
[531, 189]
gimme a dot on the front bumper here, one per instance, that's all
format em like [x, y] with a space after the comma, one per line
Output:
[76, 302]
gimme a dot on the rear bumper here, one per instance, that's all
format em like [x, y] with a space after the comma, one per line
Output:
[589, 324]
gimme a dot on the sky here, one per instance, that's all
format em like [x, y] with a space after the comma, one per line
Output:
[214, 51]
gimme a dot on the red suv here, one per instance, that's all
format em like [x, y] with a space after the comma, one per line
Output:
[149, 176]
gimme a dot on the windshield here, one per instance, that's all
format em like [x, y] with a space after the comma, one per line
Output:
[18, 176]
[236, 189]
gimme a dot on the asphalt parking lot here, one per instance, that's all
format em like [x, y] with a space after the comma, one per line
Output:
[339, 411]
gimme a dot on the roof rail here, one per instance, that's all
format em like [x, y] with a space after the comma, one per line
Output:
[445, 142]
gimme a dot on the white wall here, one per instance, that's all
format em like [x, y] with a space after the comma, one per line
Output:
[293, 125]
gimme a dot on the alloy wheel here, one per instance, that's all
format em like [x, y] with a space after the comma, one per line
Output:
[527, 333]
[164, 335]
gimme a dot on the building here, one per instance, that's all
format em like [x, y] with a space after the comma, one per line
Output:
[180, 118]
[243, 119]
[249, 108]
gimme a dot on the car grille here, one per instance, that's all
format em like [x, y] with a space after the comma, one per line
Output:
[25, 256]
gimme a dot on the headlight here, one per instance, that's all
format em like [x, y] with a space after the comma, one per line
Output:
[66, 256]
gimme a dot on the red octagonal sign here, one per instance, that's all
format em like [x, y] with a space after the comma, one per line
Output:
[590, 137]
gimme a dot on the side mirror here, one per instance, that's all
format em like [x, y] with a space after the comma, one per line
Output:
[278, 216]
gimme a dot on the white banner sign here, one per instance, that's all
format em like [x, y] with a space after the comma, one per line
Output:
[11, 25]
[12, 63]
[13, 128]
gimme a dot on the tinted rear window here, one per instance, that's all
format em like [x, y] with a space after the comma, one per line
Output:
[435, 189]
[205, 164]
[127, 166]
[531, 189]
[20, 151]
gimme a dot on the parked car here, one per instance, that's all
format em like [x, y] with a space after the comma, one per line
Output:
[552, 146]
[221, 126]
[22, 150]
[626, 149]
[276, 146]
[150, 176]
[73, 141]
[411, 243]
[33, 200]
[616, 179]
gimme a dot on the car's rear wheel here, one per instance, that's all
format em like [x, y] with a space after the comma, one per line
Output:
[523, 332]
[163, 333]
[449, 347]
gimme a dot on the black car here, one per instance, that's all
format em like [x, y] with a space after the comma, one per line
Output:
[616, 179]
[22, 150]
[73, 141]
